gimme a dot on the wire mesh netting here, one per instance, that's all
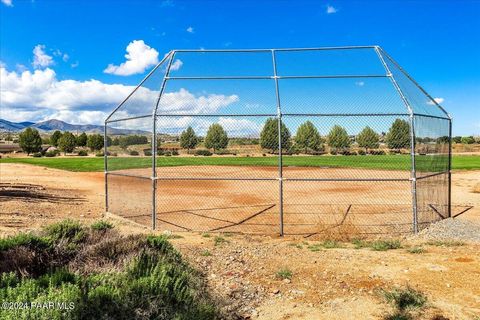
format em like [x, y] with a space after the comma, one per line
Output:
[336, 141]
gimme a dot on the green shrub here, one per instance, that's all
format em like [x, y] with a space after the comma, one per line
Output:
[331, 244]
[445, 243]
[361, 152]
[284, 274]
[358, 243]
[203, 152]
[101, 225]
[37, 155]
[71, 231]
[147, 153]
[23, 239]
[82, 153]
[51, 154]
[405, 299]
[133, 153]
[416, 250]
[384, 245]
[154, 279]
[175, 153]
[219, 240]
[100, 154]
[377, 152]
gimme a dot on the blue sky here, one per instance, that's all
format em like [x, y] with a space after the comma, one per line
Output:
[68, 76]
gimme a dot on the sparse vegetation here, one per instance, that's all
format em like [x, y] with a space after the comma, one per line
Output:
[416, 250]
[206, 253]
[404, 301]
[218, 240]
[384, 245]
[284, 273]
[445, 243]
[101, 225]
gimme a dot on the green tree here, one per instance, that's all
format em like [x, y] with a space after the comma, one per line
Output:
[457, 139]
[95, 142]
[82, 140]
[338, 138]
[188, 139]
[123, 143]
[67, 142]
[216, 137]
[30, 141]
[269, 135]
[398, 136]
[368, 139]
[55, 137]
[468, 140]
[308, 138]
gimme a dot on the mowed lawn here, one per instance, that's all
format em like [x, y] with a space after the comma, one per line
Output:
[387, 162]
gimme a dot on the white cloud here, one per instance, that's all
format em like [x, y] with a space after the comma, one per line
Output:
[190, 30]
[331, 9]
[8, 3]
[75, 64]
[65, 57]
[360, 83]
[39, 95]
[177, 64]
[40, 58]
[437, 100]
[139, 57]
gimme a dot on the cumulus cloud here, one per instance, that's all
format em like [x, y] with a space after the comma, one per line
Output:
[139, 57]
[177, 64]
[331, 9]
[40, 58]
[190, 30]
[39, 95]
[437, 100]
[8, 3]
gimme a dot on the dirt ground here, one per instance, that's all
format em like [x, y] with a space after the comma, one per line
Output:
[340, 283]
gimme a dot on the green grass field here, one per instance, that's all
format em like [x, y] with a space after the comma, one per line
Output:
[388, 162]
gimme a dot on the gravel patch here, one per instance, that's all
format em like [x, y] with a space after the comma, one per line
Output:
[451, 229]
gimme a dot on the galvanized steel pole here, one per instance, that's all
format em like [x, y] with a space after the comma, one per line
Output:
[280, 159]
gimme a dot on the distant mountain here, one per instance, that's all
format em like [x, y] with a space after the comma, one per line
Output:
[54, 124]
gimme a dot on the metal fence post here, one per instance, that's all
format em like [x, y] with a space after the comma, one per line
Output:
[414, 174]
[105, 164]
[280, 157]
[450, 168]
[154, 144]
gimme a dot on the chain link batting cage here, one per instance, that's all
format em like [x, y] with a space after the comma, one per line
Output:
[290, 141]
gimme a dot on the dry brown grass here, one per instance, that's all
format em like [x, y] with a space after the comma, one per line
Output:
[476, 188]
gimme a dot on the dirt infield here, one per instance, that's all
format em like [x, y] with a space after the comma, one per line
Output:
[32, 195]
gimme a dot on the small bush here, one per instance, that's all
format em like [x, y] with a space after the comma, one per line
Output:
[203, 152]
[314, 247]
[331, 244]
[333, 152]
[416, 250]
[384, 245]
[206, 235]
[361, 152]
[206, 253]
[51, 153]
[147, 153]
[296, 245]
[82, 153]
[405, 299]
[133, 153]
[358, 243]
[284, 274]
[100, 154]
[37, 155]
[377, 152]
[23, 239]
[68, 230]
[101, 225]
[175, 153]
[445, 243]
[219, 240]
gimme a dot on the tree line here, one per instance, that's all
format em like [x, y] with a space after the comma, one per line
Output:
[307, 138]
